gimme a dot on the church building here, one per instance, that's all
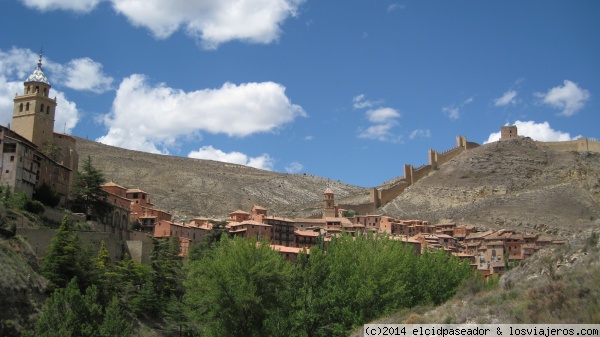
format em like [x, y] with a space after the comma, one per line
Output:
[31, 153]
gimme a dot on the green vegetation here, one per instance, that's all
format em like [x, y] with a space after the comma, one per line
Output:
[88, 196]
[245, 288]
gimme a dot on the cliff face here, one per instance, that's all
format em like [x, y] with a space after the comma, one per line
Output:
[22, 289]
[510, 184]
[191, 187]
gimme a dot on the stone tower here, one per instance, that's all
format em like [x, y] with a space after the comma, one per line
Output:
[507, 132]
[33, 115]
[328, 204]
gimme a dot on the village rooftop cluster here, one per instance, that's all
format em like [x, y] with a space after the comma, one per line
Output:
[487, 251]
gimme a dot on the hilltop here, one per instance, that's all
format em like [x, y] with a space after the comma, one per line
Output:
[189, 187]
[511, 184]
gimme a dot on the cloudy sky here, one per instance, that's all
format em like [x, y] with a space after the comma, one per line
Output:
[347, 90]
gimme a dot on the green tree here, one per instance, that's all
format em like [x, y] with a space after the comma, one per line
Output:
[114, 324]
[107, 279]
[51, 150]
[241, 289]
[71, 313]
[46, 195]
[68, 312]
[67, 258]
[88, 195]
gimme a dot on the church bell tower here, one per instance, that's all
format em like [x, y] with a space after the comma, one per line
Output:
[33, 114]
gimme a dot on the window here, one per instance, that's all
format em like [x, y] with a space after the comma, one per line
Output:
[48, 111]
[45, 93]
[42, 108]
[27, 106]
[12, 158]
[21, 107]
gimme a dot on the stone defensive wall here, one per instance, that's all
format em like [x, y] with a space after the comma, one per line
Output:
[138, 247]
[381, 196]
[40, 239]
[579, 145]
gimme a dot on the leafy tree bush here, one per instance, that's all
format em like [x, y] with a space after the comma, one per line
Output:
[46, 195]
[34, 206]
[240, 289]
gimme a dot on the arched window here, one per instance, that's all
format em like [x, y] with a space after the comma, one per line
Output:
[45, 93]
[27, 106]
[21, 107]
[37, 89]
[42, 108]
[47, 110]
[28, 89]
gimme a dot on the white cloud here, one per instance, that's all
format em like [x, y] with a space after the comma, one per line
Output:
[382, 115]
[309, 138]
[15, 66]
[570, 98]
[263, 162]
[468, 100]
[86, 74]
[73, 5]
[506, 99]
[67, 115]
[452, 111]
[211, 21]
[359, 102]
[145, 117]
[536, 131]
[423, 133]
[394, 7]
[294, 167]
[380, 132]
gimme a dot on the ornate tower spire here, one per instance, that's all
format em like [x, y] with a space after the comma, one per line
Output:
[34, 111]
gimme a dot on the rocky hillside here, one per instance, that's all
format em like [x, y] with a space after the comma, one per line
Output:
[192, 187]
[512, 184]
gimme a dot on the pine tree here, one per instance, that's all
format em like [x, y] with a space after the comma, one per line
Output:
[69, 313]
[89, 197]
[114, 325]
[61, 263]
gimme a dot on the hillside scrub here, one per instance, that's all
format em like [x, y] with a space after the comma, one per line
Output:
[245, 288]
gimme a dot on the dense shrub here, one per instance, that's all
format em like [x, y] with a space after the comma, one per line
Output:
[34, 206]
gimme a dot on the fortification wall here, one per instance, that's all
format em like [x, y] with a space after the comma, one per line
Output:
[412, 175]
[360, 208]
[40, 239]
[581, 144]
[388, 194]
[58, 215]
[446, 156]
[421, 172]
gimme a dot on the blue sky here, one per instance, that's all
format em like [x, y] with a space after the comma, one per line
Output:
[347, 90]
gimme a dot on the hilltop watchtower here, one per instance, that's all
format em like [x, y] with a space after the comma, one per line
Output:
[507, 132]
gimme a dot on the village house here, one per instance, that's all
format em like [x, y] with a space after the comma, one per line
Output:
[305, 239]
[283, 230]
[250, 229]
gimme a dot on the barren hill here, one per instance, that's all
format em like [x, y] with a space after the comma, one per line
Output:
[511, 184]
[191, 187]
